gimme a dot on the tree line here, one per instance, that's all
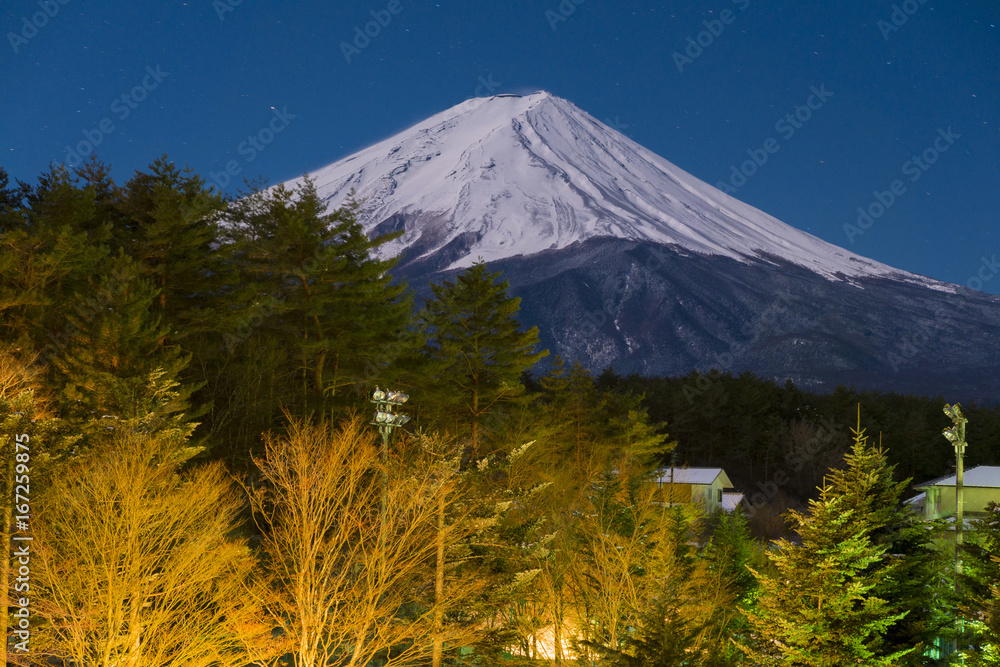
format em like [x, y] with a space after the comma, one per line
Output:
[194, 375]
[776, 441]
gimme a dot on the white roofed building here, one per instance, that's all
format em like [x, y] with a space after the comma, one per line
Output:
[981, 485]
[937, 500]
[703, 486]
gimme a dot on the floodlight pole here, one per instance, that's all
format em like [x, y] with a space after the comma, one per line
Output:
[956, 436]
[959, 502]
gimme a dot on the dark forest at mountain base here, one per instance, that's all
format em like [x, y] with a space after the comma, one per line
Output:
[758, 430]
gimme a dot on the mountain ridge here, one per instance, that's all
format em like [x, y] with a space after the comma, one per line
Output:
[509, 175]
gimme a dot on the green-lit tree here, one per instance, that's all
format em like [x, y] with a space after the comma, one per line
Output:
[909, 575]
[667, 638]
[9, 197]
[817, 606]
[981, 581]
[95, 176]
[168, 220]
[647, 596]
[729, 555]
[50, 244]
[582, 438]
[476, 349]
[478, 569]
[589, 439]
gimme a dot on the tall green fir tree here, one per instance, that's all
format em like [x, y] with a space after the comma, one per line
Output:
[817, 606]
[113, 365]
[168, 220]
[647, 596]
[730, 554]
[581, 435]
[313, 285]
[590, 439]
[912, 563]
[476, 349]
[51, 241]
[9, 197]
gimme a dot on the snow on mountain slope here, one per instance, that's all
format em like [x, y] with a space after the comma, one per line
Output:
[508, 176]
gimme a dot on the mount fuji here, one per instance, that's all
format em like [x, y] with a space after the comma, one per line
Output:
[623, 259]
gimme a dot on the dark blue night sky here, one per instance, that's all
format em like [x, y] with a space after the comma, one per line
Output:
[909, 110]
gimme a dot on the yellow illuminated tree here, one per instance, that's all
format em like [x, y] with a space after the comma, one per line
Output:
[134, 563]
[352, 581]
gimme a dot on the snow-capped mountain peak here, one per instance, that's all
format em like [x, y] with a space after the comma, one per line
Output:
[509, 175]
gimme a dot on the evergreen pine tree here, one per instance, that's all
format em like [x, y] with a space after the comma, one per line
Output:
[314, 287]
[591, 441]
[48, 247]
[10, 198]
[477, 349]
[169, 222]
[481, 570]
[588, 433]
[579, 440]
[667, 639]
[646, 597]
[729, 555]
[915, 586]
[818, 607]
[113, 362]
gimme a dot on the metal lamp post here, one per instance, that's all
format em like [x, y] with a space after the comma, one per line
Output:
[956, 436]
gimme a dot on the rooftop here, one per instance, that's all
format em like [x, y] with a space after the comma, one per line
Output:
[684, 475]
[982, 476]
[730, 501]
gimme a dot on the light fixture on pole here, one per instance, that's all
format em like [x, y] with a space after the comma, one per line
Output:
[956, 436]
[386, 418]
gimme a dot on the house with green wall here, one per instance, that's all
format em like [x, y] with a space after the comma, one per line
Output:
[936, 500]
[701, 486]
